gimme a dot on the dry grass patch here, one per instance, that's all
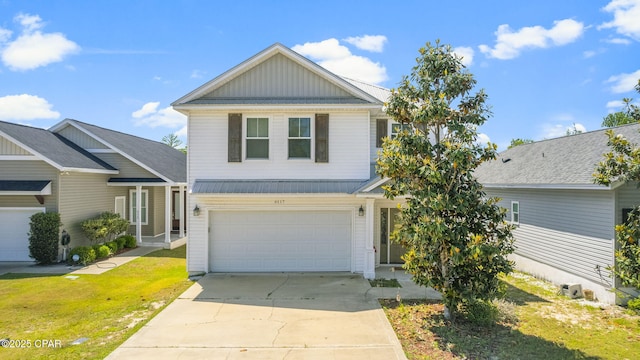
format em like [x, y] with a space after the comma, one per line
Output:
[535, 323]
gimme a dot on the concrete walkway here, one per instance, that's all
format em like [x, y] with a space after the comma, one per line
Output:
[30, 267]
[269, 316]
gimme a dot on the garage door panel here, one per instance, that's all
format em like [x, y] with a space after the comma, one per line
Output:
[14, 240]
[254, 241]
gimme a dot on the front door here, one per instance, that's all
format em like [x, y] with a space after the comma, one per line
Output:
[390, 252]
[176, 217]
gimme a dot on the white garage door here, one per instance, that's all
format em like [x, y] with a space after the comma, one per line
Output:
[14, 233]
[252, 241]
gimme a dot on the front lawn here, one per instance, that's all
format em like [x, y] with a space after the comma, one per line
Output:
[540, 325]
[43, 314]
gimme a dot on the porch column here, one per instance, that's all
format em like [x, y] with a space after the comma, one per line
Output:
[370, 254]
[167, 214]
[183, 218]
[139, 214]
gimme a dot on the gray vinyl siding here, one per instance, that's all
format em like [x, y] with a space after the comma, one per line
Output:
[29, 170]
[84, 196]
[81, 139]
[278, 77]
[627, 196]
[571, 230]
[127, 168]
[9, 148]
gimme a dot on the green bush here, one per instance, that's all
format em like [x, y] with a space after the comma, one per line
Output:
[104, 227]
[43, 237]
[634, 304]
[113, 246]
[102, 251]
[121, 240]
[86, 254]
[130, 241]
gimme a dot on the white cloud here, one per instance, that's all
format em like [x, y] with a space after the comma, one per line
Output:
[197, 74]
[5, 35]
[557, 130]
[373, 43]
[149, 115]
[483, 139]
[510, 43]
[33, 49]
[615, 105]
[618, 41]
[26, 107]
[623, 83]
[337, 58]
[626, 15]
[466, 53]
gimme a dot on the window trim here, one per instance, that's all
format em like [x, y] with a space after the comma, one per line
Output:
[144, 205]
[245, 137]
[311, 137]
[122, 199]
[515, 214]
[390, 130]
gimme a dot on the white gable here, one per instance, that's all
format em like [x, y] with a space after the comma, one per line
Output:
[10, 148]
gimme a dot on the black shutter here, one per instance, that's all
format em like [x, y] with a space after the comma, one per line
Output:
[381, 131]
[322, 138]
[235, 138]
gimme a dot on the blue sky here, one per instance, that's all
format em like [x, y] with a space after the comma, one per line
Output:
[546, 65]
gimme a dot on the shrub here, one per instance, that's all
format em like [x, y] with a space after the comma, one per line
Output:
[43, 237]
[113, 246]
[634, 304]
[102, 251]
[86, 254]
[105, 226]
[121, 240]
[130, 241]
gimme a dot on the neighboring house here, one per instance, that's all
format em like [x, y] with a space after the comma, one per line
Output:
[565, 222]
[80, 170]
[280, 170]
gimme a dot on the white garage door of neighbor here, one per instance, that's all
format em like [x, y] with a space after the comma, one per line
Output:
[14, 233]
[255, 241]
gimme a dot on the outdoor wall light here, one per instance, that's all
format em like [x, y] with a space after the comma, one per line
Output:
[361, 211]
[196, 211]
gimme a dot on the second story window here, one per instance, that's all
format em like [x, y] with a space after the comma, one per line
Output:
[257, 138]
[299, 138]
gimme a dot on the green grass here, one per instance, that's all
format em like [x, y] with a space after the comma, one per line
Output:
[542, 324]
[106, 308]
[392, 283]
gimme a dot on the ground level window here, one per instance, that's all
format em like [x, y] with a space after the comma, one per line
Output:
[143, 207]
[397, 128]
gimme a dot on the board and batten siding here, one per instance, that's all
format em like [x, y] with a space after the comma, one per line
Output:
[571, 230]
[348, 148]
[30, 170]
[197, 251]
[276, 77]
[80, 138]
[9, 148]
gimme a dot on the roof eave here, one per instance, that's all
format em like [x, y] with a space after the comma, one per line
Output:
[548, 186]
[185, 108]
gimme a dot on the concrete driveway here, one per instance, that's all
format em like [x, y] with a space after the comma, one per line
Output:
[269, 316]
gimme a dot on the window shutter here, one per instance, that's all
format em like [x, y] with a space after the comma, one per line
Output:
[235, 138]
[381, 131]
[322, 138]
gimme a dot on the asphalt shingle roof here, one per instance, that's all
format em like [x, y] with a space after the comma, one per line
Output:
[569, 160]
[163, 159]
[54, 147]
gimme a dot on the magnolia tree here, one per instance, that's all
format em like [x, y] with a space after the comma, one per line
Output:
[456, 238]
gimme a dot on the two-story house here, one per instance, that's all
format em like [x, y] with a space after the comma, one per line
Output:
[281, 170]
